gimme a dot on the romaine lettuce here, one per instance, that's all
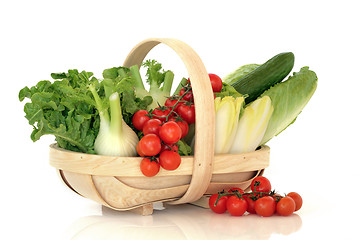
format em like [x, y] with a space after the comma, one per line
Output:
[288, 99]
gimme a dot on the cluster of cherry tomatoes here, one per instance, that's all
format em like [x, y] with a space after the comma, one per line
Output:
[261, 200]
[164, 127]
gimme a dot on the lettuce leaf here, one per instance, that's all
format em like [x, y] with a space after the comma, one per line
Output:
[288, 99]
[66, 108]
[239, 73]
[63, 109]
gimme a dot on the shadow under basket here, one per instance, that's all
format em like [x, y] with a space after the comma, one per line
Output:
[117, 182]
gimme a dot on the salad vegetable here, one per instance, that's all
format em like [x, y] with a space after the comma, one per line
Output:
[262, 77]
[261, 200]
[68, 109]
[227, 114]
[64, 109]
[115, 137]
[160, 81]
[252, 125]
[239, 73]
[288, 99]
[117, 116]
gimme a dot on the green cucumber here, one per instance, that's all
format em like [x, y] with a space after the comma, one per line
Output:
[265, 76]
[239, 73]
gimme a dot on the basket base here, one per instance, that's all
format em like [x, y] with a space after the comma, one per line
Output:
[145, 210]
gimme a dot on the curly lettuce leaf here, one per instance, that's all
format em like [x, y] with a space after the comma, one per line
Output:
[63, 109]
[66, 108]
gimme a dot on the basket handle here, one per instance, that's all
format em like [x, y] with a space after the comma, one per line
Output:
[204, 111]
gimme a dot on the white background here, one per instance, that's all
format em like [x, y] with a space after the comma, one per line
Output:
[317, 156]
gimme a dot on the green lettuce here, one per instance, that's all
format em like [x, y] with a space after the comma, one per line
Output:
[288, 99]
[66, 107]
[63, 109]
[239, 73]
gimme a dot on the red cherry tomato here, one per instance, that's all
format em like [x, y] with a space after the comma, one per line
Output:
[265, 185]
[184, 126]
[140, 118]
[236, 206]
[216, 82]
[234, 189]
[265, 206]
[220, 207]
[187, 113]
[171, 103]
[149, 167]
[251, 204]
[141, 154]
[161, 113]
[152, 126]
[169, 160]
[170, 132]
[150, 145]
[285, 206]
[277, 197]
[297, 198]
[171, 147]
[188, 96]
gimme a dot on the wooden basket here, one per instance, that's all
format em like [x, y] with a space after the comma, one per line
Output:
[117, 182]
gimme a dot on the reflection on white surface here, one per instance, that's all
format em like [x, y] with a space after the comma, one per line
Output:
[180, 222]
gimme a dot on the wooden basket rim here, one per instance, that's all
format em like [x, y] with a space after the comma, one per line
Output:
[101, 165]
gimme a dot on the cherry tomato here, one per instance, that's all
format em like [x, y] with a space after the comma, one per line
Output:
[234, 189]
[216, 82]
[184, 126]
[140, 118]
[297, 198]
[265, 185]
[221, 204]
[170, 132]
[285, 206]
[150, 145]
[265, 206]
[161, 113]
[251, 204]
[170, 102]
[141, 154]
[149, 167]
[277, 197]
[152, 126]
[171, 147]
[169, 160]
[236, 206]
[188, 96]
[187, 113]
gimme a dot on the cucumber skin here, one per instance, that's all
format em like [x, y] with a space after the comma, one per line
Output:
[262, 78]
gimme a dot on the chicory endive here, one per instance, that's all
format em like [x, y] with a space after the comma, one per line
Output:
[252, 125]
[227, 113]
